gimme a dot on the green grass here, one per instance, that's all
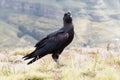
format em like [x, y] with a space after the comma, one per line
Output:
[78, 65]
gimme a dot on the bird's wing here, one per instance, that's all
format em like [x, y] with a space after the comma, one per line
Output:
[55, 42]
[41, 42]
[52, 36]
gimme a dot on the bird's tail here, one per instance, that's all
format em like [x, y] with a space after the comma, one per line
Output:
[28, 56]
[35, 55]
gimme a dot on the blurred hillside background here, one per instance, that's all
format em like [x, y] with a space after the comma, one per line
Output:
[24, 22]
[93, 55]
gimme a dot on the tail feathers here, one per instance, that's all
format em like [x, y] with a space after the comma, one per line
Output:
[28, 56]
[36, 58]
[33, 60]
[35, 55]
[31, 55]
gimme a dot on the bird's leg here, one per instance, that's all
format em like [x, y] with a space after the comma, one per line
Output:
[55, 58]
[57, 61]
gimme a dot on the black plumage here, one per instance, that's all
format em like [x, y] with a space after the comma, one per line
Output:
[55, 42]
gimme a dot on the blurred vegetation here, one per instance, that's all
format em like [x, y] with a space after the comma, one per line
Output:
[79, 64]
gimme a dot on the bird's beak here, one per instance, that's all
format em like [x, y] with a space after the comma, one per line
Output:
[70, 13]
[71, 16]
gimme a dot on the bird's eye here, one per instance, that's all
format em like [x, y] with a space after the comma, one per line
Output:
[65, 14]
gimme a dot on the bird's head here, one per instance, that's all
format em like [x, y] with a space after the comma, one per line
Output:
[67, 17]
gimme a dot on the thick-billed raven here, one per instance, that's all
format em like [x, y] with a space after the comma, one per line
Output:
[55, 42]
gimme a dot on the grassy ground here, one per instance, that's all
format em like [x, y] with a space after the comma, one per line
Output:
[79, 64]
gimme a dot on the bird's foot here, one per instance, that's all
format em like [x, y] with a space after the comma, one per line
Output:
[60, 65]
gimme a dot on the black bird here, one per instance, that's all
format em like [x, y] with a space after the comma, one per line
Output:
[55, 42]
